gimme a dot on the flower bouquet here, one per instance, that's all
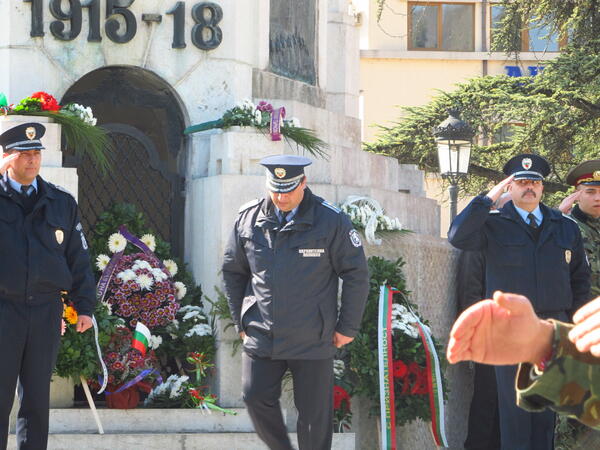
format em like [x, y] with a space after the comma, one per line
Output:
[77, 121]
[342, 414]
[367, 214]
[129, 370]
[264, 117]
[408, 352]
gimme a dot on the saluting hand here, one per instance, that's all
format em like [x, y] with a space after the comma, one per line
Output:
[83, 323]
[5, 162]
[567, 204]
[497, 190]
[501, 331]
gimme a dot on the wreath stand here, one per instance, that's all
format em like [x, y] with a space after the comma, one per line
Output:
[90, 400]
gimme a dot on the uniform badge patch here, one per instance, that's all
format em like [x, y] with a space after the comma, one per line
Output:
[596, 175]
[526, 163]
[355, 238]
[60, 236]
[84, 243]
[568, 256]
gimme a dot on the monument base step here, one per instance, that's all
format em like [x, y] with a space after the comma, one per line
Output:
[172, 441]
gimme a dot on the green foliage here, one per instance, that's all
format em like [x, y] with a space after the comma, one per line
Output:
[555, 114]
[78, 355]
[361, 354]
[220, 310]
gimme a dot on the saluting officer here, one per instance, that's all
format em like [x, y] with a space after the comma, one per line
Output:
[534, 251]
[281, 270]
[43, 253]
[586, 178]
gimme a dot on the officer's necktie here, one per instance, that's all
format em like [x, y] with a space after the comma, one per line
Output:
[532, 223]
[25, 190]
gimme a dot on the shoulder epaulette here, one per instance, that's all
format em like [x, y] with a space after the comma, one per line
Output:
[249, 204]
[569, 217]
[331, 206]
[494, 211]
[60, 188]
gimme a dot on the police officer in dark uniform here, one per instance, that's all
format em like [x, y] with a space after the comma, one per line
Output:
[281, 270]
[43, 253]
[534, 251]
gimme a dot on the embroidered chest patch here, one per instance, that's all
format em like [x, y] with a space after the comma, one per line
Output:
[311, 252]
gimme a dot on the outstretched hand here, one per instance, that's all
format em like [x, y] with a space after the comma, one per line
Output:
[501, 331]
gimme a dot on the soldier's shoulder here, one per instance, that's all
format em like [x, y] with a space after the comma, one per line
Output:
[62, 191]
[248, 205]
[566, 216]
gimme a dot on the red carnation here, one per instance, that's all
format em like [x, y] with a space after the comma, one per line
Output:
[47, 102]
[400, 369]
[339, 395]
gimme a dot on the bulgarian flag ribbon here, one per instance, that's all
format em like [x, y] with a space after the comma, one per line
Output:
[386, 370]
[141, 338]
[386, 375]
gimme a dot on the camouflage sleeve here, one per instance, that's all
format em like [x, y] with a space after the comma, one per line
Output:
[570, 384]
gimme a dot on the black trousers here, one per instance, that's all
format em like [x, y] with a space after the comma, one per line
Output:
[313, 397]
[29, 342]
[484, 425]
[520, 429]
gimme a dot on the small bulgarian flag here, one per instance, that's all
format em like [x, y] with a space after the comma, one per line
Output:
[141, 338]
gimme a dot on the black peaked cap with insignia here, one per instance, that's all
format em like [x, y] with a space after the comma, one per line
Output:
[23, 137]
[586, 173]
[527, 166]
[284, 172]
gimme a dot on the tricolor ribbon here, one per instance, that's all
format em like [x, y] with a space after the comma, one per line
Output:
[434, 383]
[277, 116]
[386, 370]
[386, 375]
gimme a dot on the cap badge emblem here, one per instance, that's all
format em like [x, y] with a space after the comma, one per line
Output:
[60, 236]
[279, 172]
[526, 163]
[596, 175]
[30, 132]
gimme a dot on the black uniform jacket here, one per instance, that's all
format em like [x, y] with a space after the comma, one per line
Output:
[552, 272]
[282, 285]
[45, 251]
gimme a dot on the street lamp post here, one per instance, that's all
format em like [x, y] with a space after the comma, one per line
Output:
[453, 137]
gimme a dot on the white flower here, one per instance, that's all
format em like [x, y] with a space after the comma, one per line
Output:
[150, 241]
[158, 274]
[177, 385]
[108, 307]
[338, 368]
[171, 266]
[155, 342]
[187, 308]
[117, 242]
[294, 122]
[145, 282]
[191, 314]
[257, 117]
[202, 329]
[141, 264]
[102, 261]
[127, 275]
[180, 290]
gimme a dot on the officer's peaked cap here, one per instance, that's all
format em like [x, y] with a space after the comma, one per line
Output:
[527, 166]
[284, 172]
[587, 173]
[23, 137]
